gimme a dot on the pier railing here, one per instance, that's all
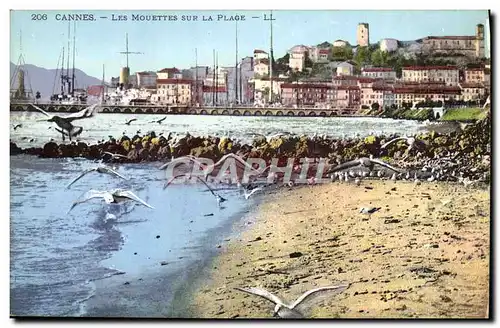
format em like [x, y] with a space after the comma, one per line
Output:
[56, 107]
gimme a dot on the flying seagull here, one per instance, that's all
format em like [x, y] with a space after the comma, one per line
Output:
[369, 210]
[114, 156]
[253, 191]
[159, 121]
[130, 121]
[17, 126]
[99, 169]
[412, 143]
[65, 122]
[301, 307]
[363, 161]
[218, 198]
[77, 130]
[114, 196]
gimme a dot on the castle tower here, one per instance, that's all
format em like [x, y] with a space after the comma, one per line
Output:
[363, 35]
[480, 41]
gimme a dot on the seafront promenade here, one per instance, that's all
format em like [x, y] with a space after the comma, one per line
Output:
[20, 106]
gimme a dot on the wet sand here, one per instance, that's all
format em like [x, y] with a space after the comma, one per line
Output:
[425, 254]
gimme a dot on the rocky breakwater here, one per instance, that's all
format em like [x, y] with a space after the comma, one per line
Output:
[464, 153]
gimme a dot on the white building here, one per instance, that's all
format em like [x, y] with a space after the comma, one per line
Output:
[261, 67]
[297, 61]
[146, 79]
[319, 55]
[345, 68]
[340, 43]
[389, 45]
[169, 73]
[385, 73]
[260, 54]
[299, 49]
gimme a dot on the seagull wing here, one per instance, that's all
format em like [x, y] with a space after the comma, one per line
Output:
[345, 165]
[172, 180]
[262, 293]
[253, 191]
[41, 110]
[131, 195]
[314, 296]
[80, 176]
[206, 184]
[183, 159]
[92, 194]
[113, 172]
[84, 113]
[385, 165]
[395, 139]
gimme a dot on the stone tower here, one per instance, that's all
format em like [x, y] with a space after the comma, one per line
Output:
[480, 41]
[363, 35]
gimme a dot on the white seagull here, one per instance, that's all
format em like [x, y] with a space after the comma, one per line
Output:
[302, 306]
[412, 143]
[363, 161]
[65, 122]
[114, 156]
[99, 169]
[369, 210]
[218, 198]
[110, 197]
[253, 191]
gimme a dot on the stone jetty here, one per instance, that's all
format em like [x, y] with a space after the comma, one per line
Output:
[467, 150]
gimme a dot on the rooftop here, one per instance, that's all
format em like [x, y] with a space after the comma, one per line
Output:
[426, 68]
[452, 37]
[169, 70]
[378, 69]
[174, 81]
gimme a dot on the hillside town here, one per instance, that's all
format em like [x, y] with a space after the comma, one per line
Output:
[435, 71]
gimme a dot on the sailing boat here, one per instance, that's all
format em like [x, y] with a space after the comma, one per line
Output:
[69, 94]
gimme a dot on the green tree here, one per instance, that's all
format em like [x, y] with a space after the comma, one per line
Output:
[379, 58]
[308, 62]
[375, 106]
[342, 53]
[362, 56]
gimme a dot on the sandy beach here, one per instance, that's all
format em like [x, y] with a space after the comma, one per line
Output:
[425, 254]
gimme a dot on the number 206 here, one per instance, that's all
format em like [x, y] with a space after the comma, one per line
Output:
[38, 16]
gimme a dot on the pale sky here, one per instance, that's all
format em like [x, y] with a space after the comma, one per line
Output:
[173, 43]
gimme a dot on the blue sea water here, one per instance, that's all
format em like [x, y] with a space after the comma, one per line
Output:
[56, 257]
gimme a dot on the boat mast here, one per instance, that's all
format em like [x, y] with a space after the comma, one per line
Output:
[271, 61]
[74, 52]
[103, 84]
[196, 74]
[236, 67]
[67, 65]
[216, 77]
[62, 72]
[213, 82]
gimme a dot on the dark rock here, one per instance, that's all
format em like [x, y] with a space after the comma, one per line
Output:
[50, 150]
[295, 255]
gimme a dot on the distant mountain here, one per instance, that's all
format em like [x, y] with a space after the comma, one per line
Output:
[42, 80]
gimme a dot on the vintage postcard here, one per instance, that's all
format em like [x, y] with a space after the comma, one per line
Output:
[250, 164]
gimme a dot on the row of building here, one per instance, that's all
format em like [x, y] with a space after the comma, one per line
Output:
[469, 46]
[201, 87]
